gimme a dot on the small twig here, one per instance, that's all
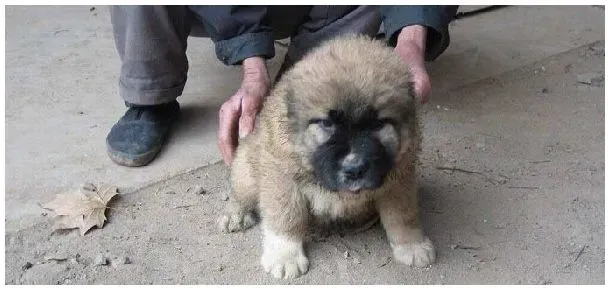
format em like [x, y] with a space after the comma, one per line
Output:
[453, 169]
[540, 161]
[187, 206]
[461, 247]
[60, 31]
[56, 259]
[525, 187]
[387, 261]
[580, 253]
[184, 206]
[458, 169]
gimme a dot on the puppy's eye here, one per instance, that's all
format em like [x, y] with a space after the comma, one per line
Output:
[324, 123]
[379, 124]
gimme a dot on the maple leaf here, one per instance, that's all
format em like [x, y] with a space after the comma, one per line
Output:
[83, 210]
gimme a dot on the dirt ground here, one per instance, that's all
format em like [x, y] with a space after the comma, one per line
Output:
[522, 204]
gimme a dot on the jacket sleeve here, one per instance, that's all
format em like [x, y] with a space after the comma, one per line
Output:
[436, 18]
[238, 32]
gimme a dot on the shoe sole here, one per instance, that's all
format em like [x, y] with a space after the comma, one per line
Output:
[123, 159]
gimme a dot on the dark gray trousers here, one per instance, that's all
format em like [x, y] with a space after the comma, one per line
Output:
[151, 42]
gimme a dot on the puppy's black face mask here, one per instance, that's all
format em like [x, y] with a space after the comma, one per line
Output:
[357, 149]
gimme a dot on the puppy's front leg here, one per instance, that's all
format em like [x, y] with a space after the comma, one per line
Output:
[284, 218]
[398, 213]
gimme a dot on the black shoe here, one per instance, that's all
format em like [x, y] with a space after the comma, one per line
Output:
[139, 135]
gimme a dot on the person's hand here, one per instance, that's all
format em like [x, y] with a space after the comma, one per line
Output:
[237, 114]
[411, 47]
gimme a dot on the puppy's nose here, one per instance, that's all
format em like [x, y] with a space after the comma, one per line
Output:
[354, 167]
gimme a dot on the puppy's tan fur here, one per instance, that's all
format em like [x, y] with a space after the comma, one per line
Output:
[271, 173]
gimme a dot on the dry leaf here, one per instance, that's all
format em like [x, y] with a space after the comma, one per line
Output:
[83, 210]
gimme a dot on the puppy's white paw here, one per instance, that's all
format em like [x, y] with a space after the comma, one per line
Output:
[234, 222]
[419, 254]
[285, 264]
[283, 258]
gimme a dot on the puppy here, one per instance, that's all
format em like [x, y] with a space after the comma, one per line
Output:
[337, 139]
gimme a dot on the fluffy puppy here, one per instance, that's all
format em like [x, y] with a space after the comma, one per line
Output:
[337, 139]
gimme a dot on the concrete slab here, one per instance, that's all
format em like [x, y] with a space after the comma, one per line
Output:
[61, 93]
[498, 41]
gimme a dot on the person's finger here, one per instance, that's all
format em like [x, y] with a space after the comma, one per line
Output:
[249, 109]
[412, 55]
[421, 85]
[228, 121]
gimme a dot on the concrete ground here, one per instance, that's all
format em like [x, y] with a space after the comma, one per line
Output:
[511, 106]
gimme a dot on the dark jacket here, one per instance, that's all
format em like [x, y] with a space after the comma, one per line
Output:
[240, 32]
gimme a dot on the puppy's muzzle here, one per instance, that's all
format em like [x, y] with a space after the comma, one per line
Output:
[354, 168]
[353, 171]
